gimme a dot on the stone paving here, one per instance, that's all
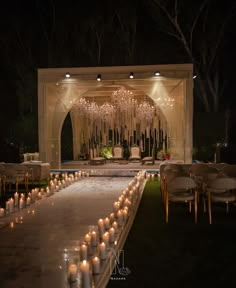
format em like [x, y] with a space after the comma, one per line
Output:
[36, 241]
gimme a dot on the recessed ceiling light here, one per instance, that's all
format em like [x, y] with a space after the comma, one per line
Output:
[131, 75]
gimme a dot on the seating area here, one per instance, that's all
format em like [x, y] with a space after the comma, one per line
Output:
[13, 174]
[94, 159]
[198, 184]
[135, 153]
[118, 153]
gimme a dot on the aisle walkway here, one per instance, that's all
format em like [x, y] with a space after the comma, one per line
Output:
[33, 248]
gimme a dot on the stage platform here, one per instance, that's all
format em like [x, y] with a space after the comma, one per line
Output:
[109, 168]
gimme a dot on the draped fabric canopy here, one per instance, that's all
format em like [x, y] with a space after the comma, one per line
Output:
[123, 118]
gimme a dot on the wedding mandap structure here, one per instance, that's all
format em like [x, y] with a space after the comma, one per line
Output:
[148, 106]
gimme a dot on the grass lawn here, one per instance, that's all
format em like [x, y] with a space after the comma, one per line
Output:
[181, 253]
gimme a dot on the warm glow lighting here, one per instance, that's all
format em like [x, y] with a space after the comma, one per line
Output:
[195, 76]
[131, 75]
[67, 75]
[99, 77]
[157, 73]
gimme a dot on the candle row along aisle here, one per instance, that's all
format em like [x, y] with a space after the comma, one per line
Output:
[23, 200]
[98, 245]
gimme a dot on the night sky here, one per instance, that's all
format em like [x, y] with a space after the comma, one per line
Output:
[39, 34]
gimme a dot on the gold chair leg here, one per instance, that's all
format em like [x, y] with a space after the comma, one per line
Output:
[167, 207]
[209, 207]
[195, 205]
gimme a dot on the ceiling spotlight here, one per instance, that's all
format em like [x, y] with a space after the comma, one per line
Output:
[99, 77]
[131, 75]
[67, 75]
[157, 73]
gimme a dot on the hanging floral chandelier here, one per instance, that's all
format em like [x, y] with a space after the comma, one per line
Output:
[127, 115]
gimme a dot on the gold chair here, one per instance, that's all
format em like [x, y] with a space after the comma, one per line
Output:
[181, 190]
[135, 153]
[118, 153]
[220, 190]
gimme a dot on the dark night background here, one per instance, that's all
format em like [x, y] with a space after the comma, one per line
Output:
[40, 34]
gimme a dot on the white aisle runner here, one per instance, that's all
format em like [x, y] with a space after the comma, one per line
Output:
[34, 247]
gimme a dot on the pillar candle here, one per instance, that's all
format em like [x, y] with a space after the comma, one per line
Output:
[72, 272]
[85, 274]
[11, 205]
[96, 265]
[87, 239]
[120, 218]
[115, 226]
[83, 252]
[102, 250]
[106, 222]
[2, 212]
[16, 198]
[100, 227]
[112, 217]
[105, 238]
[121, 199]
[125, 215]
[21, 203]
[28, 200]
[39, 196]
[7, 205]
[116, 206]
[94, 238]
[111, 235]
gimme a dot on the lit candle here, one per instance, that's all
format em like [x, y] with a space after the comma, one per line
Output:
[21, 203]
[115, 226]
[16, 197]
[120, 218]
[39, 195]
[116, 206]
[111, 235]
[2, 212]
[83, 252]
[125, 214]
[85, 274]
[106, 222]
[96, 265]
[100, 227]
[94, 238]
[112, 217]
[102, 251]
[127, 202]
[11, 205]
[28, 200]
[87, 239]
[121, 199]
[72, 272]
[7, 205]
[105, 238]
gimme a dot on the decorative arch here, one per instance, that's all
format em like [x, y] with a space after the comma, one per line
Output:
[57, 95]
